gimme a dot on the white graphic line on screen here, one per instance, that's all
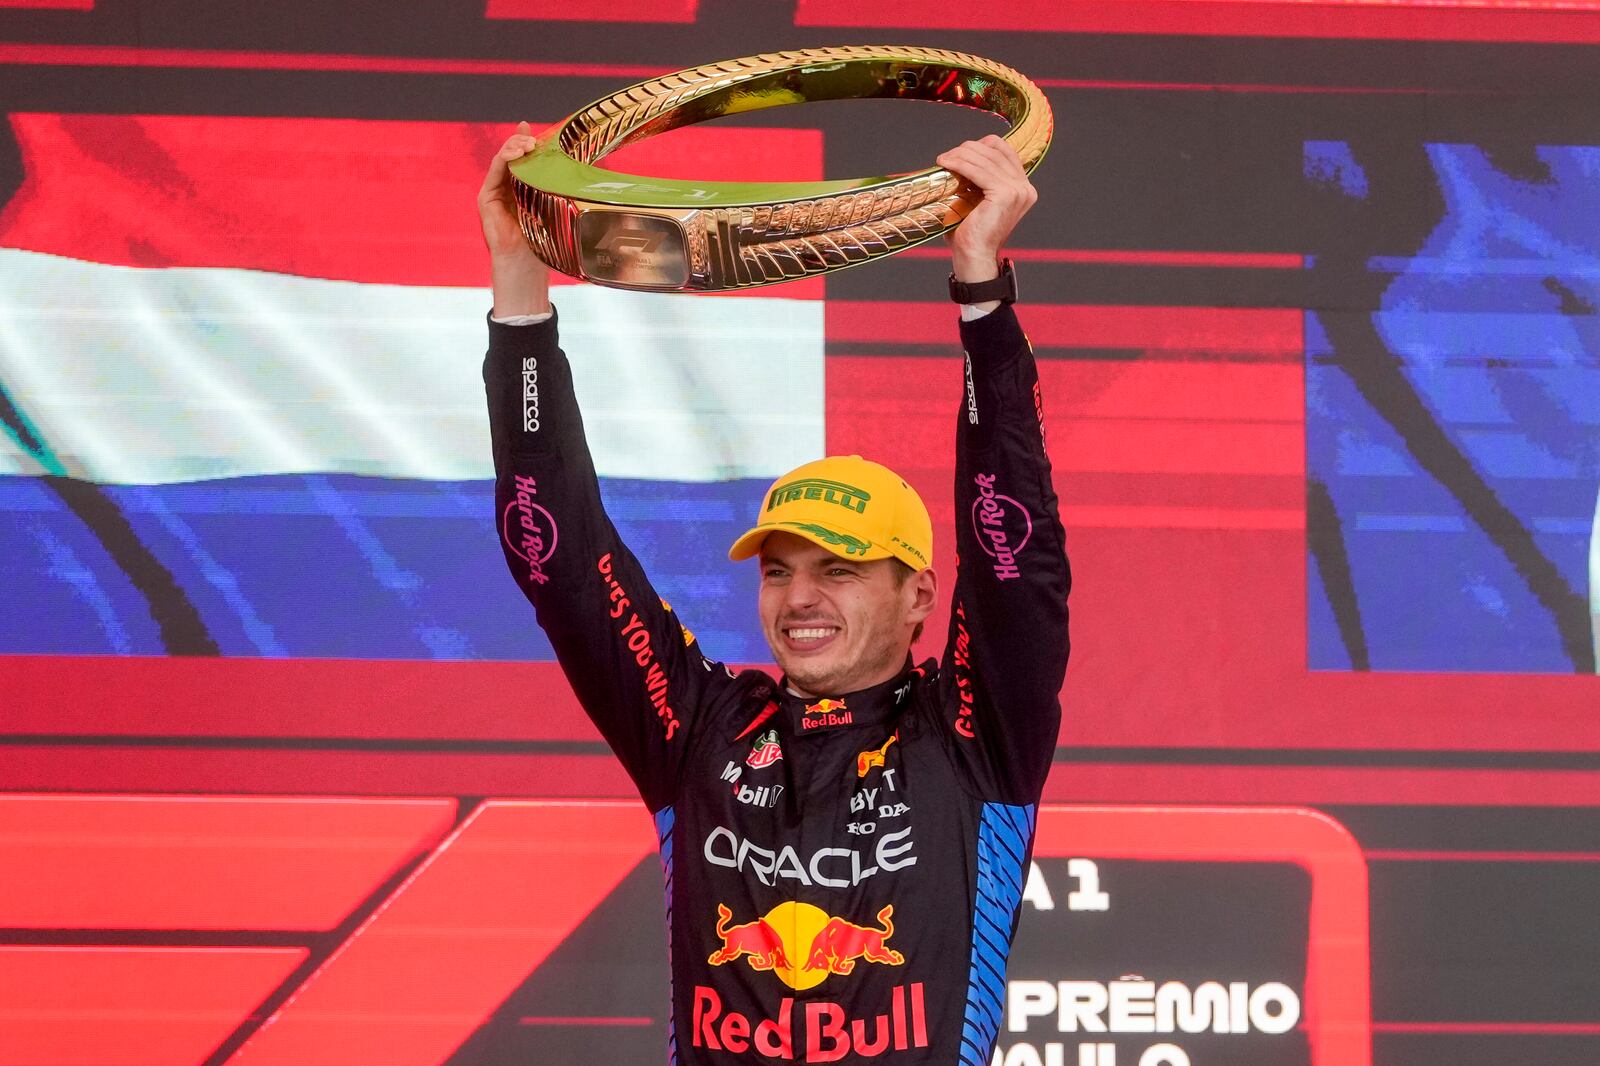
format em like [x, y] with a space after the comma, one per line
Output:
[186, 374]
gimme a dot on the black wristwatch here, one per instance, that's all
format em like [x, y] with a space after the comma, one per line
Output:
[1003, 288]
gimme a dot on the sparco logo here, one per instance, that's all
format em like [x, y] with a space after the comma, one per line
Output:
[972, 393]
[532, 538]
[530, 395]
[1003, 527]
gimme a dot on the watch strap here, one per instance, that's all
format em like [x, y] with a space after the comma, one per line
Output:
[1002, 288]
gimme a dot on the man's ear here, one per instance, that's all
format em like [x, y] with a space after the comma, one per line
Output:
[925, 593]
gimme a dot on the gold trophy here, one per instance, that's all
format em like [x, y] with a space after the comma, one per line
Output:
[665, 235]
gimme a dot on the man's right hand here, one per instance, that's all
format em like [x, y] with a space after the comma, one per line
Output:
[520, 279]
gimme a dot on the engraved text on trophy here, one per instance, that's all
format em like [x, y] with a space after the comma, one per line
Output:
[638, 251]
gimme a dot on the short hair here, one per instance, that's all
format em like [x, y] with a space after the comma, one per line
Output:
[903, 572]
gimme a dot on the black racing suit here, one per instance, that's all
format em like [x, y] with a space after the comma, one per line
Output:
[843, 875]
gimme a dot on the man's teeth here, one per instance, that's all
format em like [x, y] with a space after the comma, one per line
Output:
[811, 634]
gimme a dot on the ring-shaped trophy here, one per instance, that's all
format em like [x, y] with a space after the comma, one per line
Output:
[665, 235]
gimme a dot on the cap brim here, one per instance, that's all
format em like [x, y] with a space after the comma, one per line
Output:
[840, 543]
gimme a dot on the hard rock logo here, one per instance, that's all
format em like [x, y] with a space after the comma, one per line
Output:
[803, 944]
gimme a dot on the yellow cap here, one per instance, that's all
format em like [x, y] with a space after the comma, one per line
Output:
[855, 508]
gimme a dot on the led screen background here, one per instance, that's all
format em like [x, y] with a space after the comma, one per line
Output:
[1313, 288]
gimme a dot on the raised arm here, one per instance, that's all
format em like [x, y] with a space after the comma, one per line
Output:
[519, 279]
[1006, 654]
[636, 670]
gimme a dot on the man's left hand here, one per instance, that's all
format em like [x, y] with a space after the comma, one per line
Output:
[992, 165]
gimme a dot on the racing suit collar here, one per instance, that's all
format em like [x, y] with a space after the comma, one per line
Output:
[869, 706]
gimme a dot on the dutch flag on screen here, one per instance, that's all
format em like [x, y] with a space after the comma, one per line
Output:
[241, 408]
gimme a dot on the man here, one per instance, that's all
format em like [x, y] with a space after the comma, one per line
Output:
[845, 849]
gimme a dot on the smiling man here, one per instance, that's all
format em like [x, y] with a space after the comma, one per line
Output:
[845, 846]
[845, 582]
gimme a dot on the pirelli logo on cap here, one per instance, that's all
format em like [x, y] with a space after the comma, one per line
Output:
[834, 492]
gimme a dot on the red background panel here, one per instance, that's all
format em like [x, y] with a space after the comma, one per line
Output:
[386, 773]
[130, 1006]
[1133, 257]
[244, 192]
[267, 771]
[117, 55]
[1145, 587]
[1468, 20]
[457, 938]
[1262, 333]
[1165, 599]
[594, 10]
[1324, 785]
[213, 862]
[205, 697]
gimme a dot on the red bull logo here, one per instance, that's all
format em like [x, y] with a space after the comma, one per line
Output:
[826, 712]
[831, 1034]
[757, 940]
[803, 944]
[866, 760]
[841, 943]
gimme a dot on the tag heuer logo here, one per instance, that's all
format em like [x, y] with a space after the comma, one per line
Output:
[765, 752]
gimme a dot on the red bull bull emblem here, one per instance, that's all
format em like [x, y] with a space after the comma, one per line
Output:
[804, 944]
[866, 760]
[765, 751]
[831, 946]
[841, 943]
[757, 940]
[826, 712]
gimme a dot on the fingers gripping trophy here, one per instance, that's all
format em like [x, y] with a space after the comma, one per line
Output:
[845, 838]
